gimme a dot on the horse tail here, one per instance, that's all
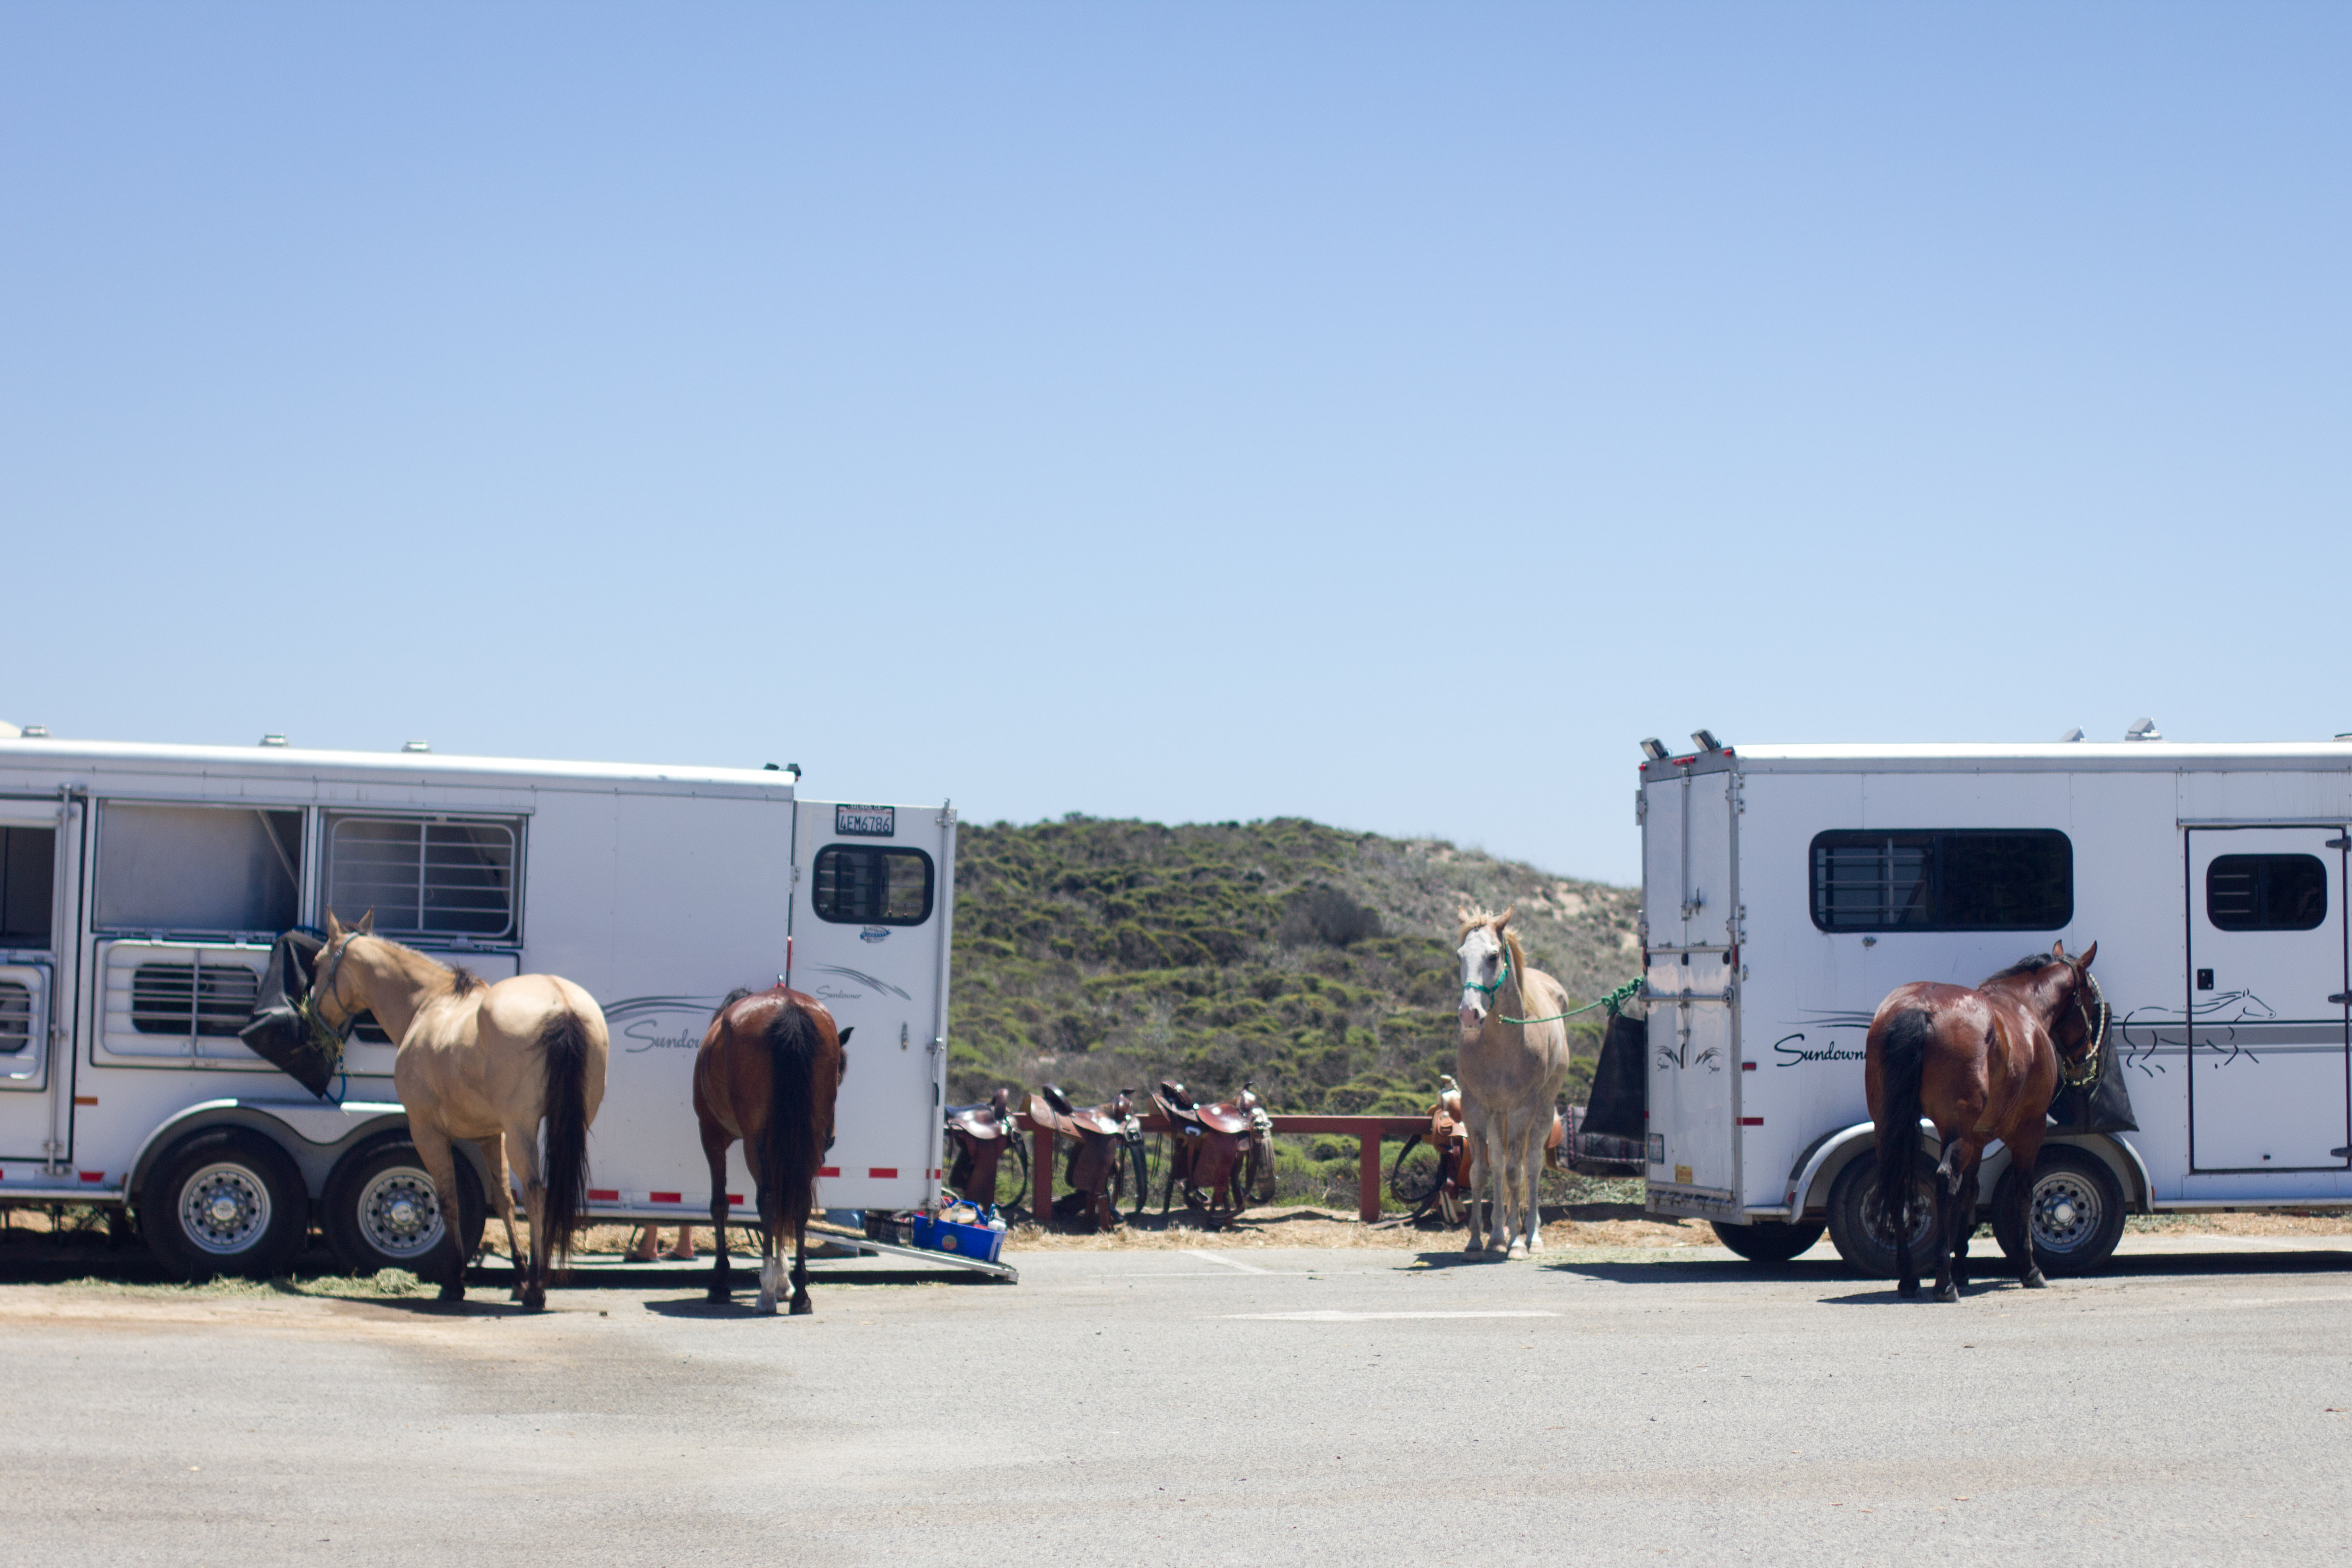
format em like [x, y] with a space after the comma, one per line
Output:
[564, 1049]
[1902, 1061]
[789, 1154]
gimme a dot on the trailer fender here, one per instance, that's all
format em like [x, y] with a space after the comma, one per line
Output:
[1817, 1166]
[313, 1135]
[2121, 1158]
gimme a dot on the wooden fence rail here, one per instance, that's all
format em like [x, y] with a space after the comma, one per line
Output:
[1368, 1132]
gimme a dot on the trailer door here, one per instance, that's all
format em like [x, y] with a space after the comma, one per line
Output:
[872, 890]
[1690, 903]
[35, 878]
[2269, 1072]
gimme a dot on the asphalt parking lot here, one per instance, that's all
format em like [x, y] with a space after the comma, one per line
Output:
[1274, 1405]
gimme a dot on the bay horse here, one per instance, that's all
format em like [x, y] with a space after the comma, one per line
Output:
[484, 1062]
[768, 1072]
[1980, 1064]
[1512, 1060]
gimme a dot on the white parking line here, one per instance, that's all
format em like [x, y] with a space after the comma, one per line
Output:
[1213, 1258]
[1329, 1316]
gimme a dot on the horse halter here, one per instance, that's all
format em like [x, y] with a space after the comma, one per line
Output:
[2085, 1069]
[1490, 987]
[330, 1037]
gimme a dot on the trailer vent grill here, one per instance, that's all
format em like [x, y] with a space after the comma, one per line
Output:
[182, 999]
[16, 1017]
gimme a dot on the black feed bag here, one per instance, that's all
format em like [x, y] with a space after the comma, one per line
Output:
[1620, 1101]
[278, 1032]
[2102, 1105]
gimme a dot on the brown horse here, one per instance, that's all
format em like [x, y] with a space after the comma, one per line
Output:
[1981, 1064]
[768, 1072]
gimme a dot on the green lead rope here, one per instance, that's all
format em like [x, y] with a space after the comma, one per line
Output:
[1613, 1001]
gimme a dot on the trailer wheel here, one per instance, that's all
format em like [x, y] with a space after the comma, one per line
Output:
[1859, 1228]
[2074, 1211]
[225, 1202]
[1768, 1240]
[384, 1213]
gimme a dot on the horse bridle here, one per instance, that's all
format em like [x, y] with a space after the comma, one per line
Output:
[330, 1038]
[2085, 1069]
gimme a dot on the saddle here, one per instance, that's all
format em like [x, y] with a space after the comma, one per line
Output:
[979, 1134]
[1218, 1152]
[1098, 1136]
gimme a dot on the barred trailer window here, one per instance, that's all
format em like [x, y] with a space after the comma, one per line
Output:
[857, 884]
[1949, 879]
[424, 877]
[192, 999]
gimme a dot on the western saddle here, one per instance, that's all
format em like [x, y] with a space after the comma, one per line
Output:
[979, 1135]
[1099, 1135]
[1219, 1153]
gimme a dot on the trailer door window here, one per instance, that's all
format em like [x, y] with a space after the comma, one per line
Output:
[28, 858]
[424, 877]
[16, 1017]
[860, 884]
[197, 870]
[2266, 893]
[1954, 879]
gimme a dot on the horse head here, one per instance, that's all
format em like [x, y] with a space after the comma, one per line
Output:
[2079, 1018]
[1485, 951]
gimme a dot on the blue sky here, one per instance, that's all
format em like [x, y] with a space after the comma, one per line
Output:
[1385, 415]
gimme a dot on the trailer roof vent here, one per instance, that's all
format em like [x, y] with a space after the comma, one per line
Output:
[2143, 729]
[35, 732]
[1654, 749]
[415, 746]
[273, 740]
[1705, 740]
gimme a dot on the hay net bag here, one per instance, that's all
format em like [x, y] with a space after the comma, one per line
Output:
[280, 1030]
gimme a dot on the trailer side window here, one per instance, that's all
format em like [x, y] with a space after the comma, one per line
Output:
[28, 858]
[2266, 893]
[197, 870]
[192, 999]
[1954, 879]
[424, 877]
[16, 1017]
[861, 884]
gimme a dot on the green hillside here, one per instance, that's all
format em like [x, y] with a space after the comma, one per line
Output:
[1317, 963]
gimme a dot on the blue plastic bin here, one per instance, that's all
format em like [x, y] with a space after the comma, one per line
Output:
[965, 1241]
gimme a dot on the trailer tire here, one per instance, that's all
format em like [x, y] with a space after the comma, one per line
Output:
[2075, 1210]
[1768, 1240]
[225, 1202]
[1857, 1228]
[382, 1211]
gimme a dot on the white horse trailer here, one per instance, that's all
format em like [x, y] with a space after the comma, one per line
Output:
[1787, 889]
[141, 886]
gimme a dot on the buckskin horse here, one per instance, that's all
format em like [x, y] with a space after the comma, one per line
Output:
[769, 1072]
[1980, 1064]
[1512, 1060]
[485, 1063]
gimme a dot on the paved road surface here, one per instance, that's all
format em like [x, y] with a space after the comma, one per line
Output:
[1314, 1407]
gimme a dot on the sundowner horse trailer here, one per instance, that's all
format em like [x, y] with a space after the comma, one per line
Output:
[1787, 889]
[143, 887]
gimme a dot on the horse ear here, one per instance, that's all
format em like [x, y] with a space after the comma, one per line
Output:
[842, 1038]
[2089, 952]
[334, 927]
[367, 922]
[2059, 948]
[1505, 919]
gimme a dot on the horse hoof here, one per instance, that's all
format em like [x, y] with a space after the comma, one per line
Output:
[718, 1293]
[2035, 1281]
[767, 1306]
[1948, 1293]
[1516, 1250]
[1907, 1288]
[453, 1292]
[800, 1307]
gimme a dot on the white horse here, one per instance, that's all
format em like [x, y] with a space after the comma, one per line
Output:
[1512, 1062]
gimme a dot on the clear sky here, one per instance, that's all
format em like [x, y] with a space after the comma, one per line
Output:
[1388, 414]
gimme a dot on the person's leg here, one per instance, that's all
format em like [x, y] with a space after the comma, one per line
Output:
[682, 1249]
[648, 1245]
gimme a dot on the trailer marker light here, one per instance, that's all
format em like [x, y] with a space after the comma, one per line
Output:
[882, 1173]
[604, 1195]
[665, 1197]
[736, 1198]
[1752, 1121]
[1746, 1066]
[828, 1170]
[85, 1099]
[93, 1175]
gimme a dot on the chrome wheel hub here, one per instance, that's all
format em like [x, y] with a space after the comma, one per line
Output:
[225, 1210]
[399, 1213]
[2066, 1212]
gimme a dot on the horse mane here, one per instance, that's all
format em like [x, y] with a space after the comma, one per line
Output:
[2031, 964]
[1469, 917]
[736, 995]
[463, 982]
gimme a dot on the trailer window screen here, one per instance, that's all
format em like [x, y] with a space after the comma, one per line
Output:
[28, 858]
[422, 877]
[192, 999]
[857, 884]
[2266, 893]
[197, 870]
[16, 1017]
[1958, 878]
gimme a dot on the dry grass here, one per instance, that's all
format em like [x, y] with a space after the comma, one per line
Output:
[1598, 1224]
